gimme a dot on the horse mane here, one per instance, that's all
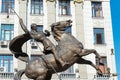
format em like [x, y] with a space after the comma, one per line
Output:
[58, 29]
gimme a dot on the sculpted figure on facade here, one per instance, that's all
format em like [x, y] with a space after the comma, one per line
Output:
[57, 58]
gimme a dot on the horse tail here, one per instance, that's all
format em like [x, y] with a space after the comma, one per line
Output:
[19, 74]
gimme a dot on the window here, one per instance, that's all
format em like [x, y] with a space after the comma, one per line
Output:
[64, 7]
[97, 9]
[68, 29]
[39, 28]
[99, 36]
[7, 31]
[36, 6]
[104, 61]
[6, 4]
[6, 61]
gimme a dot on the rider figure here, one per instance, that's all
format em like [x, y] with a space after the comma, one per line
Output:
[39, 37]
[49, 47]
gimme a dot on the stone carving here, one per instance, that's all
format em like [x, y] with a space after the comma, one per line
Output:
[78, 1]
[57, 58]
[50, 0]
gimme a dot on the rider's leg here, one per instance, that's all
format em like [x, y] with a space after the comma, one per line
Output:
[49, 47]
[83, 61]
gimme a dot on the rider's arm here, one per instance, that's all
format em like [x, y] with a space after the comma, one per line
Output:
[23, 26]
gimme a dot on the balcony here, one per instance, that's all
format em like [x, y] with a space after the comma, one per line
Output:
[10, 76]
[6, 76]
[102, 77]
[68, 76]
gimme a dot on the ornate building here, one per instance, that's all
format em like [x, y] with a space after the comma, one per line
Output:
[91, 25]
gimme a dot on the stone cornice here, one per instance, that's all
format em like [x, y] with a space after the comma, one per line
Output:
[78, 1]
[50, 0]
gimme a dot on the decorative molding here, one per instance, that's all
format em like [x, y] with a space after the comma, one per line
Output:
[78, 1]
[50, 0]
[22, 0]
[19, 1]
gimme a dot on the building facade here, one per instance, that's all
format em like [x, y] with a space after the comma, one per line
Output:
[91, 25]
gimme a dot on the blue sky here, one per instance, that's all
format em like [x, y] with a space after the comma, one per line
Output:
[115, 11]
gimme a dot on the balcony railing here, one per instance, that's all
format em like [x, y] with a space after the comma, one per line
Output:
[102, 77]
[6, 75]
[10, 76]
[67, 76]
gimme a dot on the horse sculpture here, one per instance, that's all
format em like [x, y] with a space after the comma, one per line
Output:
[69, 50]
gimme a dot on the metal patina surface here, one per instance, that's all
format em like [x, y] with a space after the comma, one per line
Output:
[56, 56]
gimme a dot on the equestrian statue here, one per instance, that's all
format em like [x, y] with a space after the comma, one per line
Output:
[55, 58]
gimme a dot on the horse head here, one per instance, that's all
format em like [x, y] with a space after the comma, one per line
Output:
[62, 24]
[58, 28]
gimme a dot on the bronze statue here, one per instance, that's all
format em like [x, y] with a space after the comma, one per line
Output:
[38, 36]
[68, 46]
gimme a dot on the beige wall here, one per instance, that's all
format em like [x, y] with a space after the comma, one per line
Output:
[82, 29]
